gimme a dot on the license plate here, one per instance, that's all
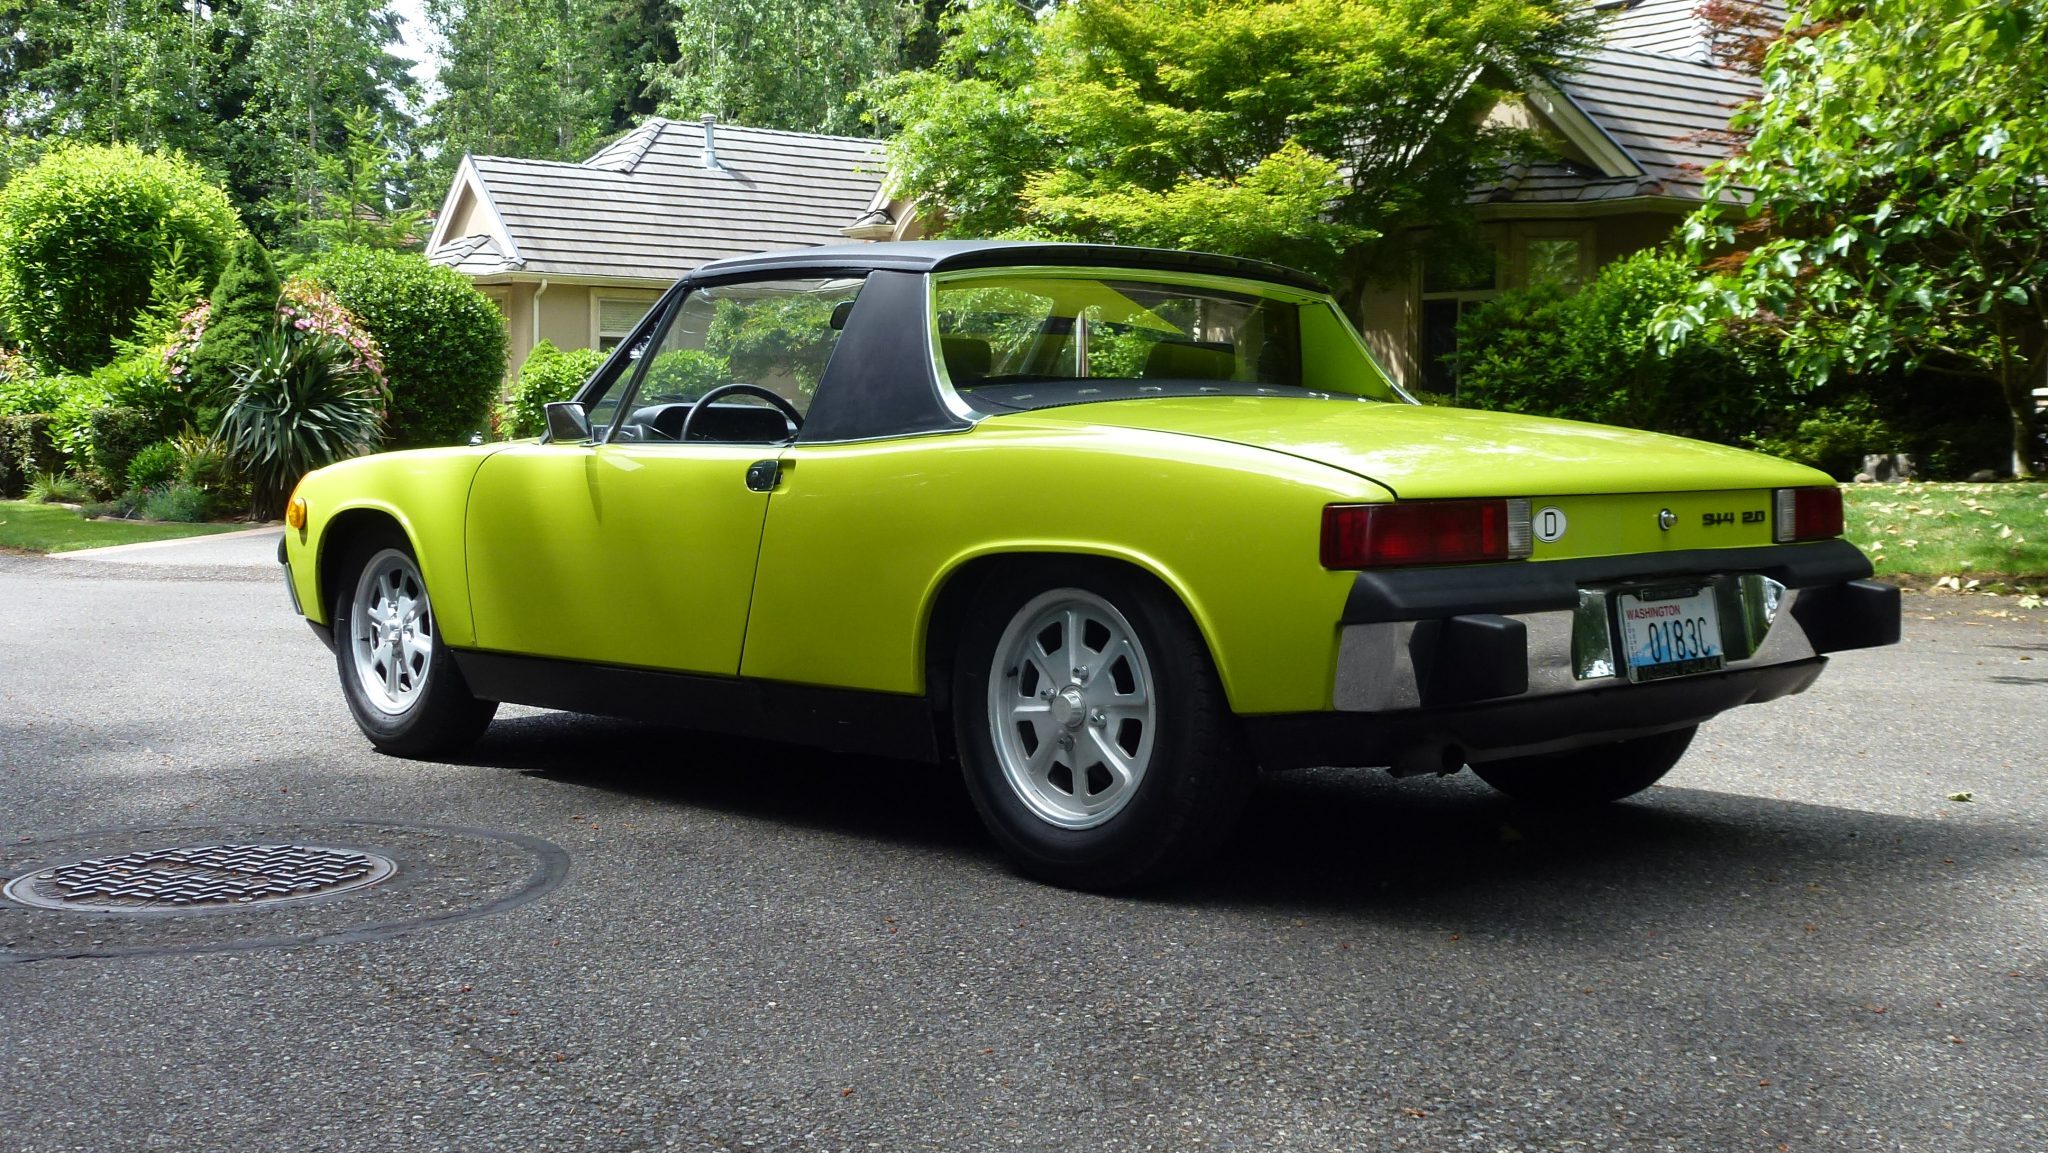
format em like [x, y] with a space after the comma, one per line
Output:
[1669, 631]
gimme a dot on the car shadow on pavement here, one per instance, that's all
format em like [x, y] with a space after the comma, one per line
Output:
[1438, 850]
[900, 801]
[1429, 849]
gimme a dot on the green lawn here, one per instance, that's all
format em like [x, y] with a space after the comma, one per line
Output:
[1994, 533]
[27, 527]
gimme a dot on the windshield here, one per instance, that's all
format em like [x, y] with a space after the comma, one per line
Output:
[1033, 339]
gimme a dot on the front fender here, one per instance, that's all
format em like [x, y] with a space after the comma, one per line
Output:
[424, 492]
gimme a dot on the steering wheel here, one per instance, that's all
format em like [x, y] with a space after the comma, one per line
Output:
[796, 419]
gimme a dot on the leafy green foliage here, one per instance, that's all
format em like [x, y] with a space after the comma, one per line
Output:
[1282, 129]
[354, 199]
[1896, 161]
[82, 234]
[792, 64]
[23, 390]
[1835, 438]
[683, 374]
[1588, 356]
[548, 79]
[25, 450]
[57, 488]
[115, 434]
[442, 341]
[153, 465]
[299, 405]
[175, 502]
[549, 374]
[243, 307]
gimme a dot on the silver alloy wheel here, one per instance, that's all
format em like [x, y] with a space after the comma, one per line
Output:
[391, 632]
[1071, 708]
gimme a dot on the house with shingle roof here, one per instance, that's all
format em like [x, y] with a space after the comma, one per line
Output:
[575, 253]
[1631, 132]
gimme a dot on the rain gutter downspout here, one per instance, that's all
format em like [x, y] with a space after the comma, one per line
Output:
[537, 294]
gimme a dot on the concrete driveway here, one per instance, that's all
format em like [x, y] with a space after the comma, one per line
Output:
[254, 548]
[604, 936]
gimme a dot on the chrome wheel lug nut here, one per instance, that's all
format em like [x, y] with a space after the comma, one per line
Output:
[1098, 718]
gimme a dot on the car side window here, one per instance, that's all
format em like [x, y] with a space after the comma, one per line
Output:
[776, 335]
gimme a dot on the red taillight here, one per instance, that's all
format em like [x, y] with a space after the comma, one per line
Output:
[1415, 532]
[1808, 513]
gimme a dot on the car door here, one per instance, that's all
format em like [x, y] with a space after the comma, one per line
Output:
[636, 547]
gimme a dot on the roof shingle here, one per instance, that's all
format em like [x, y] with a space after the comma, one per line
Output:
[647, 207]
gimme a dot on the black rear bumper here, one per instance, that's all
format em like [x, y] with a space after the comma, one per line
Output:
[1520, 726]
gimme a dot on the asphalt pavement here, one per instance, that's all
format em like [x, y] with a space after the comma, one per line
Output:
[608, 936]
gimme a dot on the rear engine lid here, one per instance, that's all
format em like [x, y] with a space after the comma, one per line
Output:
[1427, 453]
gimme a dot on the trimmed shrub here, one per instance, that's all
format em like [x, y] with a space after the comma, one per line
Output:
[443, 341]
[115, 434]
[83, 232]
[1588, 356]
[243, 309]
[153, 465]
[549, 374]
[301, 405]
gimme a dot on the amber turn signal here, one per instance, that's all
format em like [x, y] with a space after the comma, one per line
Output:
[295, 512]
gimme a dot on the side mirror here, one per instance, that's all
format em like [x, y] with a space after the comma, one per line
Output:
[567, 422]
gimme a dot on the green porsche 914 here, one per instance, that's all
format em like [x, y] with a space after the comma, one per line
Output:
[1114, 528]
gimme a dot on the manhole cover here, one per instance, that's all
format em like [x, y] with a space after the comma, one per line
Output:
[200, 877]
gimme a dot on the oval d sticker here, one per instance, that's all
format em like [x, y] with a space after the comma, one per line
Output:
[1549, 523]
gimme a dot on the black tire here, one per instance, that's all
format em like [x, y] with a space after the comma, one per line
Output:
[1195, 772]
[1591, 776]
[437, 715]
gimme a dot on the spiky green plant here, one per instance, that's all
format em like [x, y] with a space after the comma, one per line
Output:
[299, 406]
[57, 488]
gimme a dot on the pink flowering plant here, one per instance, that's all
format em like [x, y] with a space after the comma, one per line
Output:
[307, 307]
[185, 341]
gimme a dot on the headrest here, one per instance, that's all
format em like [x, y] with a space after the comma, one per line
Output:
[967, 358]
[1191, 360]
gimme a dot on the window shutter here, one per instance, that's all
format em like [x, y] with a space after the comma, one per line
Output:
[617, 317]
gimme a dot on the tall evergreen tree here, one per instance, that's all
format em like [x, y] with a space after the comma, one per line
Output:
[244, 309]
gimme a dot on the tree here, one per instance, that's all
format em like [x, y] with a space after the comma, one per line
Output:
[800, 65]
[359, 194]
[84, 234]
[244, 311]
[252, 90]
[523, 78]
[1894, 172]
[1288, 129]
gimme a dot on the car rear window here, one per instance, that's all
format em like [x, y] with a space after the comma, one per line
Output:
[1013, 339]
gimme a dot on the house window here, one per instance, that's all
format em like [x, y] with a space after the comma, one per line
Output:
[1450, 292]
[1555, 260]
[616, 316]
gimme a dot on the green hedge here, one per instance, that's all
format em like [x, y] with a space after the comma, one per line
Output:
[549, 374]
[114, 436]
[1588, 356]
[83, 231]
[443, 341]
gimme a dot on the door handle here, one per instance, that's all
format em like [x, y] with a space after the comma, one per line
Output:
[762, 475]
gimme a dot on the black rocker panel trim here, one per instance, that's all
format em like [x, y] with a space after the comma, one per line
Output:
[1552, 721]
[845, 720]
[1537, 586]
